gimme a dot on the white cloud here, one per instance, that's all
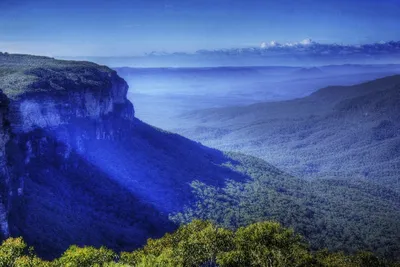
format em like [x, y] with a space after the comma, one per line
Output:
[274, 43]
[307, 41]
[270, 44]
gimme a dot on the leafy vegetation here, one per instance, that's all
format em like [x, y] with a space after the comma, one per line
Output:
[200, 243]
[22, 74]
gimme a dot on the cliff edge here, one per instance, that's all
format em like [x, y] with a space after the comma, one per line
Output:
[78, 168]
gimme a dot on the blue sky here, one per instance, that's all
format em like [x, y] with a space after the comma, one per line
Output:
[125, 28]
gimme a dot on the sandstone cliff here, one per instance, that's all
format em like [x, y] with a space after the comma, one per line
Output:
[71, 101]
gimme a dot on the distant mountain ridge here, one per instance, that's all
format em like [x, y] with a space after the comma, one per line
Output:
[337, 93]
[301, 54]
[309, 72]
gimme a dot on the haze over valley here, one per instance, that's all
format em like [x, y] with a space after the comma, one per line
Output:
[176, 91]
[174, 133]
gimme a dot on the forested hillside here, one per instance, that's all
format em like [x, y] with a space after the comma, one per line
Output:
[341, 132]
[330, 213]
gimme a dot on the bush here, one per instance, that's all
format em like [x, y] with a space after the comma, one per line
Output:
[86, 257]
[266, 244]
[15, 253]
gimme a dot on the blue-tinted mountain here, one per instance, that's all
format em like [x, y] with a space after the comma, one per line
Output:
[338, 131]
[77, 167]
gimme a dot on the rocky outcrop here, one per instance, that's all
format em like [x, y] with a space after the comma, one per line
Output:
[44, 93]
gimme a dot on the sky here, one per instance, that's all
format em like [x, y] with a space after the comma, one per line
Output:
[135, 27]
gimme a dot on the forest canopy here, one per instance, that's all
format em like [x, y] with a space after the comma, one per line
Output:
[200, 243]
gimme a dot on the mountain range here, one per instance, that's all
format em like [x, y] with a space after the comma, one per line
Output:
[77, 167]
[304, 53]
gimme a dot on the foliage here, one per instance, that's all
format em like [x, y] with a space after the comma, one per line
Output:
[200, 243]
[191, 245]
[10, 250]
[85, 257]
[21, 74]
[266, 244]
[15, 253]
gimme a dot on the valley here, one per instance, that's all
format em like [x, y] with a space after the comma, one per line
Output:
[347, 132]
[176, 91]
[78, 167]
[201, 133]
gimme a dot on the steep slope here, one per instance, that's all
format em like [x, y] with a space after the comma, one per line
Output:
[342, 131]
[78, 168]
[4, 138]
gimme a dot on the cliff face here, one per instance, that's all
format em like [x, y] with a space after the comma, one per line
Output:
[49, 111]
[5, 179]
[78, 168]
[48, 93]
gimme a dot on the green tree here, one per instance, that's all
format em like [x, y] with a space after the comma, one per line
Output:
[15, 253]
[32, 261]
[11, 249]
[76, 256]
[266, 244]
[202, 242]
[368, 259]
[339, 259]
[195, 244]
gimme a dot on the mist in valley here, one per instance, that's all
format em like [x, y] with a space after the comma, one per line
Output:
[301, 119]
[175, 92]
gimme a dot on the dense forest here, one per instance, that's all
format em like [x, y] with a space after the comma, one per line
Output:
[329, 213]
[341, 132]
[200, 243]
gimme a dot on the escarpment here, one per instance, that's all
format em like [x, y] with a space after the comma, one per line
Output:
[48, 93]
[50, 110]
[68, 101]
[78, 168]
[5, 179]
